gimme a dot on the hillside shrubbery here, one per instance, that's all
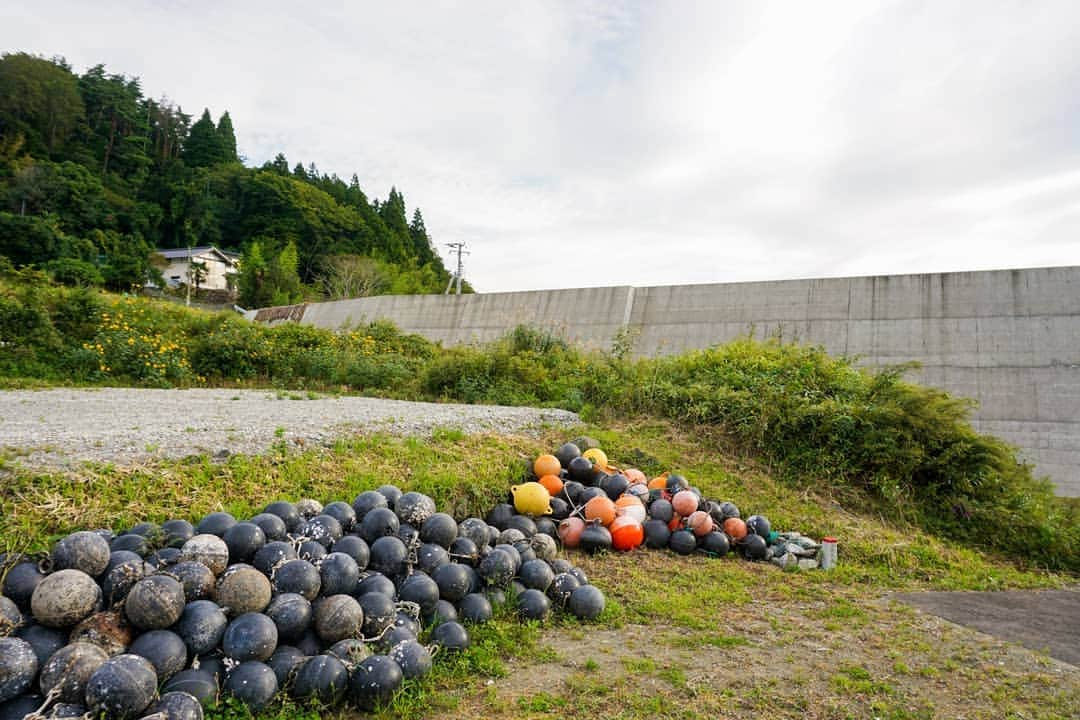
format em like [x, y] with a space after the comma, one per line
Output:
[814, 418]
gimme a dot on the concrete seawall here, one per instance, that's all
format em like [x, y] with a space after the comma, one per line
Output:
[1010, 339]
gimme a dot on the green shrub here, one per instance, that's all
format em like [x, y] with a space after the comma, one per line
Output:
[79, 273]
[225, 348]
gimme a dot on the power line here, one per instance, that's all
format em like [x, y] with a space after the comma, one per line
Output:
[459, 248]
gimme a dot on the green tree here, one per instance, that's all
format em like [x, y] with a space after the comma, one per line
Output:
[285, 277]
[422, 246]
[198, 271]
[203, 146]
[278, 165]
[251, 283]
[117, 118]
[350, 276]
[39, 100]
[228, 138]
[392, 213]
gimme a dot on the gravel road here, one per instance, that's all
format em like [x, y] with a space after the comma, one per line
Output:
[61, 427]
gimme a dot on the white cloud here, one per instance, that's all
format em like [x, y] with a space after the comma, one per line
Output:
[622, 143]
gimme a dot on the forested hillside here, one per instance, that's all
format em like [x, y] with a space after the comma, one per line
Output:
[94, 175]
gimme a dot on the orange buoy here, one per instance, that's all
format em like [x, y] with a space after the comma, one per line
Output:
[735, 528]
[546, 465]
[635, 476]
[659, 482]
[570, 531]
[552, 483]
[676, 523]
[626, 533]
[700, 522]
[600, 508]
[685, 502]
[630, 506]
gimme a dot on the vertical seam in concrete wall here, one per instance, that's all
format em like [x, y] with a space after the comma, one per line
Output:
[629, 307]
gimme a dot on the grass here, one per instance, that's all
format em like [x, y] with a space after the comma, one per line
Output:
[681, 637]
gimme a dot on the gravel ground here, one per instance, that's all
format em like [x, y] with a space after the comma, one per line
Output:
[61, 427]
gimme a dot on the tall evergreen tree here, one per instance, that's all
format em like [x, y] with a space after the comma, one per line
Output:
[203, 147]
[421, 243]
[392, 213]
[278, 165]
[228, 138]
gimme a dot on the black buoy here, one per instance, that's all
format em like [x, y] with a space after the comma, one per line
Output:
[18, 667]
[84, 550]
[178, 706]
[339, 574]
[252, 636]
[439, 529]
[379, 613]
[288, 514]
[388, 555]
[155, 602]
[216, 523]
[201, 684]
[498, 568]
[422, 590]
[533, 605]
[243, 540]
[587, 602]
[753, 547]
[412, 657]
[164, 649]
[337, 617]
[323, 529]
[474, 608]
[201, 626]
[683, 542]
[298, 576]
[715, 544]
[323, 678]
[561, 586]
[273, 527]
[253, 683]
[374, 680]
[379, 522]
[196, 579]
[657, 534]
[367, 501]
[450, 636]
[355, 547]
[122, 687]
[343, 512]
[20, 581]
[284, 662]
[414, 508]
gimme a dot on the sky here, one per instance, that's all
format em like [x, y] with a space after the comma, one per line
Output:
[591, 143]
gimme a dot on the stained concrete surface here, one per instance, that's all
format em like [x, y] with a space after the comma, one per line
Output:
[1044, 620]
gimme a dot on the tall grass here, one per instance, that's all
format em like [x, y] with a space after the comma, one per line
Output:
[813, 418]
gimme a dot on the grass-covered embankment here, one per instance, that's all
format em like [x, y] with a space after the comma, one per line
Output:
[814, 420]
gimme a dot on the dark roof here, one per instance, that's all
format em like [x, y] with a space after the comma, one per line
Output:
[182, 253]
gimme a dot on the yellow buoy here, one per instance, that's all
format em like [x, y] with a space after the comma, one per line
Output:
[531, 498]
[597, 456]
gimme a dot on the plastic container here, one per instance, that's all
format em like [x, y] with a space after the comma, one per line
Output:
[827, 554]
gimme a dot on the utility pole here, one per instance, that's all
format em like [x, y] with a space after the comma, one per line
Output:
[459, 248]
[187, 300]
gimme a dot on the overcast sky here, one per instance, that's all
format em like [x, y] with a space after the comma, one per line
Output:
[610, 143]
